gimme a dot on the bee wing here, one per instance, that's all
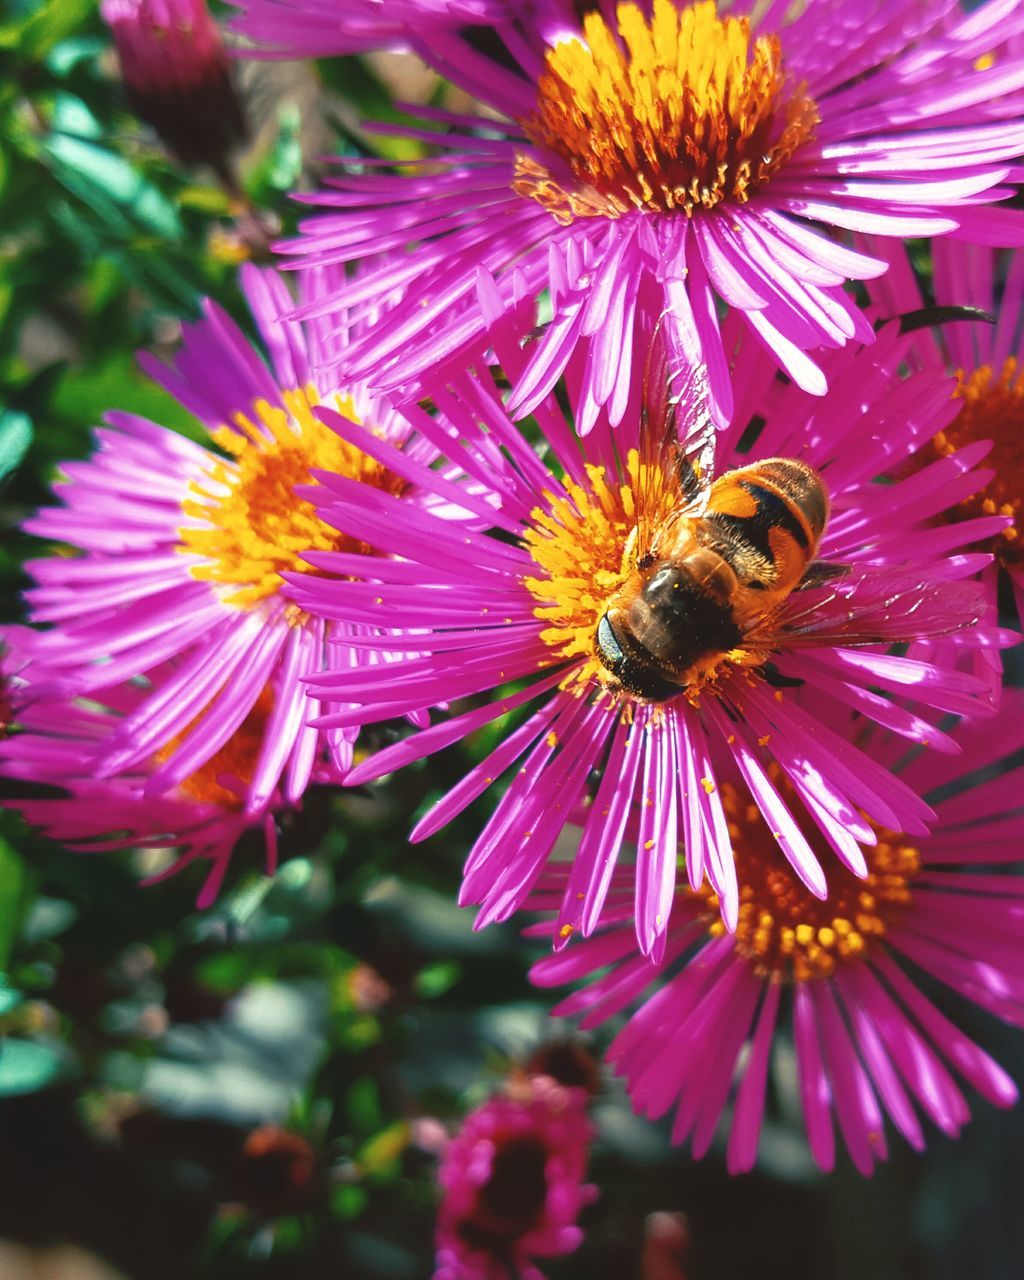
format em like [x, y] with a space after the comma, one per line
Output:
[677, 438]
[875, 607]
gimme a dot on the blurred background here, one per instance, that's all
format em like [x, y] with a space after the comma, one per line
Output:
[262, 1089]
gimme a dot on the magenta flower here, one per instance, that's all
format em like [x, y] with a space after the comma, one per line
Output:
[59, 741]
[765, 130]
[869, 1042]
[475, 611]
[177, 76]
[513, 1183]
[322, 28]
[987, 362]
[182, 548]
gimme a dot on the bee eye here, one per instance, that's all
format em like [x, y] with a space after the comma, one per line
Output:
[608, 648]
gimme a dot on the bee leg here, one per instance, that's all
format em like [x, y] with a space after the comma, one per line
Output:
[818, 572]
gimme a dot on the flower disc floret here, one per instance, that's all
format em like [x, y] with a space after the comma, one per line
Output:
[785, 931]
[583, 544]
[250, 527]
[993, 409]
[690, 113]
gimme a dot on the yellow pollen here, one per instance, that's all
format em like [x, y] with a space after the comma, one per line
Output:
[784, 931]
[583, 548]
[246, 522]
[993, 409]
[678, 112]
[236, 759]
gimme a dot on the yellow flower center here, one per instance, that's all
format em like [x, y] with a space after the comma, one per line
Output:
[993, 409]
[583, 546]
[784, 931]
[677, 112]
[251, 527]
[236, 759]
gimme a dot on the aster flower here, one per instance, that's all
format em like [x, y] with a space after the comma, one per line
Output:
[530, 601]
[513, 1183]
[986, 360]
[177, 76]
[869, 1042]
[323, 28]
[58, 743]
[768, 126]
[182, 550]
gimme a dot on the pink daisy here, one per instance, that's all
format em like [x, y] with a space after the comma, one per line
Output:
[869, 1042]
[531, 600]
[323, 28]
[513, 1183]
[769, 125]
[181, 550]
[177, 76]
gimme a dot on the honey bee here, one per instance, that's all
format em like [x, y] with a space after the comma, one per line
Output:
[706, 580]
[715, 578]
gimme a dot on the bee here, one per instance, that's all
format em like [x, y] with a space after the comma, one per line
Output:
[706, 580]
[716, 578]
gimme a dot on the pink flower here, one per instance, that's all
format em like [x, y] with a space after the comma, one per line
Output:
[869, 1042]
[513, 1183]
[478, 612]
[766, 130]
[177, 76]
[175, 593]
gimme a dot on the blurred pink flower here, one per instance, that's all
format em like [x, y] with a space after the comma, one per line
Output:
[513, 1183]
[177, 76]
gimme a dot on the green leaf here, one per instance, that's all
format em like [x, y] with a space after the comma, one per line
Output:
[51, 22]
[437, 978]
[25, 1066]
[12, 898]
[47, 918]
[15, 438]
[10, 997]
[112, 187]
[348, 1201]
[379, 1157]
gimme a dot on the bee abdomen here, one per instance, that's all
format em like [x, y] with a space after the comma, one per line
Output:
[770, 517]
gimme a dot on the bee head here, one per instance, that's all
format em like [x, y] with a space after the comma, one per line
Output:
[617, 655]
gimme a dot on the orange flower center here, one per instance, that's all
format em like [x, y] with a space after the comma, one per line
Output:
[784, 931]
[679, 111]
[993, 409]
[248, 525]
[235, 760]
